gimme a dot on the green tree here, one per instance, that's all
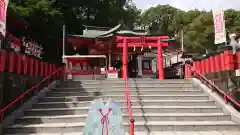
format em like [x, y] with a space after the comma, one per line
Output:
[46, 17]
[232, 20]
[160, 20]
[199, 35]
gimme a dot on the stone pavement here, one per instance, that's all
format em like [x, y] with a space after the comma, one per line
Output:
[166, 133]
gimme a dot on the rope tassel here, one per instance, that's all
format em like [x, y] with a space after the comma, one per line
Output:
[105, 120]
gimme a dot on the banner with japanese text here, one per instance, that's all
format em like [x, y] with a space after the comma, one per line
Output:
[3, 16]
[219, 26]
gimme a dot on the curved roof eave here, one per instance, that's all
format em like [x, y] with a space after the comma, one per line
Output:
[132, 33]
[113, 30]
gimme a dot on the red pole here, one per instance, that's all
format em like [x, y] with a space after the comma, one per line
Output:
[25, 65]
[222, 61]
[187, 70]
[31, 61]
[202, 66]
[46, 69]
[36, 67]
[195, 66]
[54, 67]
[42, 69]
[3, 60]
[11, 62]
[228, 62]
[49, 69]
[238, 59]
[19, 63]
[124, 59]
[198, 66]
[212, 66]
[131, 127]
[160, 61]
[207, 64]
[217, 62]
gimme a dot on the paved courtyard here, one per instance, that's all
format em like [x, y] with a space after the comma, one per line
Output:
[169, 133]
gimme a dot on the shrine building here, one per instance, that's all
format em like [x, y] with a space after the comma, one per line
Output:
[102, 52]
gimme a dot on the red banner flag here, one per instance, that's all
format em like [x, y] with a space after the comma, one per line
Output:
[3, 12]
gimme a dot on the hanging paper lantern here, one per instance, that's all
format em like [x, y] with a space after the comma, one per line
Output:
[134, 49]
[92, 51]
[101, 45]
[118, 58]
[142, 49]
[75, 48]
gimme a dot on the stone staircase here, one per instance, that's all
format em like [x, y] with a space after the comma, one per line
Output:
[169, 105]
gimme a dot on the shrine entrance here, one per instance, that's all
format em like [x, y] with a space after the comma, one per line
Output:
[126, 42]
[97, 52]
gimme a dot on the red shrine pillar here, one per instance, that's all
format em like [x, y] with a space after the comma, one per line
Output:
[212, 64]
[160, 61]
[124, 59]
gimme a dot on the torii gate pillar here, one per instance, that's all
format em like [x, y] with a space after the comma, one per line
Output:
[126, 42]
[124, 59]
[160, 61]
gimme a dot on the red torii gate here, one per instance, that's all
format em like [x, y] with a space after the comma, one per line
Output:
[142, 41]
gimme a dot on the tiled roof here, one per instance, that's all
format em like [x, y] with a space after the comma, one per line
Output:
[92, 32]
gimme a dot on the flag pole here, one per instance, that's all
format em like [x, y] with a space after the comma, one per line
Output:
[64, 34]
[182, 46]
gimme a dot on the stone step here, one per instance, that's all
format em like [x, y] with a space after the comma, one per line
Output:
[123, 83]
[134, 103]
[150, 84]
[232, 132]
[137, 117]
[122, 97]
[139, 126]
[172, 81]
[135, 109]
[130, 86]
[74, 89]
[98, 93]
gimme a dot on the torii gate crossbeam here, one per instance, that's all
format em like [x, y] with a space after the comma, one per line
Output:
[142, 41]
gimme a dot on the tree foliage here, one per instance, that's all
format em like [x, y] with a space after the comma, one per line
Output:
[196, 25]
[46, 17]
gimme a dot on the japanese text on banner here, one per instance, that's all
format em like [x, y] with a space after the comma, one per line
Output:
[219, 26]
[3, 12]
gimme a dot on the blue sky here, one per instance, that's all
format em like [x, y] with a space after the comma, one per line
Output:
[190, 4]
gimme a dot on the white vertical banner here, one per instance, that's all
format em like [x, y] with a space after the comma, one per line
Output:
[219, 26]
[3, 16]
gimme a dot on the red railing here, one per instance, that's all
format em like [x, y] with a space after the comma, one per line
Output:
[129, 107]
[53, 76]
[189, 70]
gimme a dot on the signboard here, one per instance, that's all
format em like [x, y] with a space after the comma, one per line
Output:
[154, 66]
[3, 12]
[237, 72]
[149, 54]
[219, 26]
[32, 48]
